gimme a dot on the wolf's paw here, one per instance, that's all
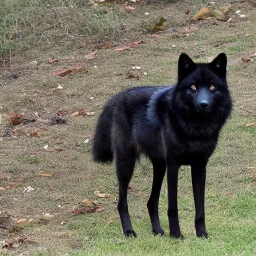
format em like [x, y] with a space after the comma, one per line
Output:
[130, 233]
[158, 231]
[202, 234]
[176, 235]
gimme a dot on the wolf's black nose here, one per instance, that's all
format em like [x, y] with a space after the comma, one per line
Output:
[204, 104]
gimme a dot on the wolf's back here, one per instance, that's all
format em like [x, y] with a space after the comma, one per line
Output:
[102, 144]
[121, 106]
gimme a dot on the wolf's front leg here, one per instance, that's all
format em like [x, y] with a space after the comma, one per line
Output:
[198, 172]
[172, 181]
[159, 167]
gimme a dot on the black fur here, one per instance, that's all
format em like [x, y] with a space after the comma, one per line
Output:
[173, 126]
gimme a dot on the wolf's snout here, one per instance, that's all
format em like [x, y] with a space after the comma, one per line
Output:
[204, 104]
[203, 100]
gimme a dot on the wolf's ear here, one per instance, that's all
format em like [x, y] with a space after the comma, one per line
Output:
[185, 67]
[219, 65]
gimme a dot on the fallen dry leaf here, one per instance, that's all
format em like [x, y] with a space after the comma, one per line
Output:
[59, 113]
[80, 112]
[132, 45]
[15, 119]
[90, 203]
[95, 5]
[130, 75]
[105, 195]
[122, 48]
[251, 125]
[247, 59]
[24, 221]
[75, 113]
[52, 61]
[100, 209]
[11, 186]
[191, 29]
[129, 8]
[67, 71]
[35, 134]
[101, 195]
[86, 206]
[77, 211]
[46, 175]
[58, 148]
[154, 35]
[63, 72]
[204, 13]
[91, 56]
[21, 221]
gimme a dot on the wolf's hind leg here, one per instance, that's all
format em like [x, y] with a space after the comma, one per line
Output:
[125, 162]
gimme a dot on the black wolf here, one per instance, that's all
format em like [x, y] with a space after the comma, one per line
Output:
[173, 126]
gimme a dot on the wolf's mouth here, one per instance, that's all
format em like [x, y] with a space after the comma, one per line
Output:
[204, 110]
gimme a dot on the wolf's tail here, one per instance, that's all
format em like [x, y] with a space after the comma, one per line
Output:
[102, 144]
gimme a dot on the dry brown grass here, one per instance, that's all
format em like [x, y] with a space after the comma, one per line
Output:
[28, 88]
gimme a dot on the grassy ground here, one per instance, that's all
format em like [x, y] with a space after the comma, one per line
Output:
[28, 85]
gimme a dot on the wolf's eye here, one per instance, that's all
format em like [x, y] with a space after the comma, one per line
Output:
[212, 87]
[193, 87]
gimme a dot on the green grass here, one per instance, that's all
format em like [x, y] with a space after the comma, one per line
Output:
[29, 159]
[231, 227]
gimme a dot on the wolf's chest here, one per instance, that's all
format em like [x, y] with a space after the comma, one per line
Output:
[190, 152]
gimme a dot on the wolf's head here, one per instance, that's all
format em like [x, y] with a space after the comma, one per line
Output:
[202, 87]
